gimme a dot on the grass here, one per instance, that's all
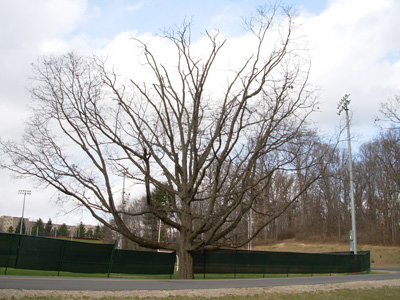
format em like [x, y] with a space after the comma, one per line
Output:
[387, 293]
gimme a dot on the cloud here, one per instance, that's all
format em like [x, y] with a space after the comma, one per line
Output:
[354, 51]
[136, 6]
[30, 22]
[28, 29]
[354, 48]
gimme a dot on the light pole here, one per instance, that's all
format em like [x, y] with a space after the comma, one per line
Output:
[122, 214]
[343, 105]
[24, 192]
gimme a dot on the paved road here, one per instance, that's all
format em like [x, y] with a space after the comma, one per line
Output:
[113, 284]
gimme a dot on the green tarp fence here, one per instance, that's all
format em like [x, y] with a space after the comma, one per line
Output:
[40, 253]
[226, 261]
[143, 262]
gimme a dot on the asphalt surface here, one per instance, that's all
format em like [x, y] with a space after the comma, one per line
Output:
[113, 284]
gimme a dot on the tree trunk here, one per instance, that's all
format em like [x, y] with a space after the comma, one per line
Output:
[185, 264]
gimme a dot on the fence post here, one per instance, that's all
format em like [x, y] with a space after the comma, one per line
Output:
[234, 258]
[204, 263]
[111, 260]
[265, 263]
[8, 256]
[61, 258]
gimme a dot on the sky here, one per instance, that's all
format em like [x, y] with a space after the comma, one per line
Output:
[354, 49]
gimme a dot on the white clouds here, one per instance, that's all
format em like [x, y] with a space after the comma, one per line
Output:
[28, 29]
[136, 6]
[35, 21]
[352, 44]
[354, 49]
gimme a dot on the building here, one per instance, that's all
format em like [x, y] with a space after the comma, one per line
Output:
[7, 221]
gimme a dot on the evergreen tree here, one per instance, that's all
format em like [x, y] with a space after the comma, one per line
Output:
[89, 233]
[10, 229]
[159, 199]
[80, 231]
[98, 232]
[48, 227]
[18, 228]
[63, 230]
[38, 228]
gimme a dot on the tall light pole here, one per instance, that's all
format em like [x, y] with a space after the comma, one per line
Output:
[344, 105]
[23, 192]
[122, 214]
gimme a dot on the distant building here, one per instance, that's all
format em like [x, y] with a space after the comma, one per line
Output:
[7, 221]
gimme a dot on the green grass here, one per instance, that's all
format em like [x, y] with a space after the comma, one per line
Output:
[387, 293]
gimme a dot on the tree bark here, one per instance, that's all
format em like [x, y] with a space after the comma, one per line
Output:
[185, 270]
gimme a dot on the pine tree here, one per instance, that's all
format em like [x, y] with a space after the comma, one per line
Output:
[38, 228]
[18, 228]
[89, 233]
[80, 232]
[48, 227]
[98, 233]
[63, 230]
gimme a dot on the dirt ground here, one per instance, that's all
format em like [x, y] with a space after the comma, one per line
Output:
[17, 294]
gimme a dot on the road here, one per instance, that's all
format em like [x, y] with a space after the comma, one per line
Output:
[114, 284]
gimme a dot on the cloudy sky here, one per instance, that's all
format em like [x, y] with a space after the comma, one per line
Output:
[355, 49]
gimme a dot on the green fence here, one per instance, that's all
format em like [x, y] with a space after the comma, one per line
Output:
[226, 261]
[40, 253]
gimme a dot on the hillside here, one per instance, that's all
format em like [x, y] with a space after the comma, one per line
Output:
[381, 256]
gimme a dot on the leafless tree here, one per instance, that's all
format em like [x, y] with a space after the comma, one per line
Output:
[214, 154]
[390, 112]
[382, 192]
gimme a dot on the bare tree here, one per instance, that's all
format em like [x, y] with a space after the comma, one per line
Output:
[390, 112]
[213, 154]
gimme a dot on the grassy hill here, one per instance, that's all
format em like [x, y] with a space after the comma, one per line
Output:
[381, 256]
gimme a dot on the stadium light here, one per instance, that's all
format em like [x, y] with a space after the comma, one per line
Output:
[344, 105]
[23, 192]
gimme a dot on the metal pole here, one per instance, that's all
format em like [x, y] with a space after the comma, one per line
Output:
[122, 214]
[249, 247]
[343, 105]
[24, 192]
[159, 231]
[353, 214]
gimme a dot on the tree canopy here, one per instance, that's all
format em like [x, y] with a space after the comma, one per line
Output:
[215, 154]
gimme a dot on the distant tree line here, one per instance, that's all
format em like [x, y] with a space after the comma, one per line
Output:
[48, 229]
[323, 211]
